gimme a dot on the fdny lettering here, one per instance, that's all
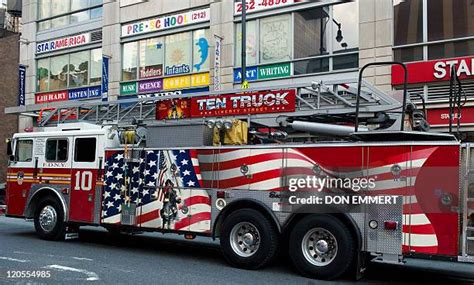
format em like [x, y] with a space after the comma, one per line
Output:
[54, 164]
[63, 43]
[464, 67]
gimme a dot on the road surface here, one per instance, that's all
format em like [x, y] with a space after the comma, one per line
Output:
[97, 257]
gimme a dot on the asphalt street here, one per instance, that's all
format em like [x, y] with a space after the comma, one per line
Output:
[98, 257]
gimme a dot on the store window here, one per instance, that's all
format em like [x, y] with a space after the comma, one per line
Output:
[448, 19]
[345, 31]
[79, 69]
[59, 7]
[175, 54]
[80, 17]
[59, 71]
[79, 4]
[24, 151]
[151, 57]
[42, 73]
[96, 67]
[275, 39]
[69, 71]
[130, 61]
[178, 53]
[44, 9]
[201, 50]
[451, 49]
[60, 13]
[316, 40]
[251, 44]
[449, 29]
[408, 21]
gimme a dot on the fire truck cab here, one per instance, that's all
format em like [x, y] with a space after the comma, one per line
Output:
[60, 164]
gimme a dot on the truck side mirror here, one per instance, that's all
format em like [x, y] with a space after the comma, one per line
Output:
[10, 155]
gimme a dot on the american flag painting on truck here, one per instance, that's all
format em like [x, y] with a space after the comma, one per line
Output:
[428, 226]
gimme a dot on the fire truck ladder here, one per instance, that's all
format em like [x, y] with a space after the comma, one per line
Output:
[467, 204]
[336, 98]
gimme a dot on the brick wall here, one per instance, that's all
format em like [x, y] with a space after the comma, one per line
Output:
[9, 57]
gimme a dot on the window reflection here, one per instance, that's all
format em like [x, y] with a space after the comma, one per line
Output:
[449, 19]
[408, 21]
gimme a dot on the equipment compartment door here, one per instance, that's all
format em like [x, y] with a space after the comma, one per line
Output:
[85, 165]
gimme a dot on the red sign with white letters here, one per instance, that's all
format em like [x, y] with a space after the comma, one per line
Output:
[435, 70]
[274, 101]
[51, 97]
[440, 117]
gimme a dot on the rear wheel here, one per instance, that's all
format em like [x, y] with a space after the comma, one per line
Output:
[322, 247]
[248, 239]
[49, 220]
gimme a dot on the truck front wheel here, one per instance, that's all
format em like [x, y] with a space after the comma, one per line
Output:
[49, 220]
[322, 247]
[248, 239]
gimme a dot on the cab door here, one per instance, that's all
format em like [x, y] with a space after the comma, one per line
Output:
[84, 174]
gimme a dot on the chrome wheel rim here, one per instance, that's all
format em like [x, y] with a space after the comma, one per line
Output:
[48, 218]
[245, 239]
[319, 247]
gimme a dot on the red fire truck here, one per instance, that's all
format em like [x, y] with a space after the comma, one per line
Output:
[124, 167]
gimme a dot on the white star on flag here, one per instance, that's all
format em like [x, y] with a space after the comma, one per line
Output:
[110, 204]
[152, 163]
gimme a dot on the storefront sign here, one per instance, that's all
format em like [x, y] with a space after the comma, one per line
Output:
[216, 80]
[271, 71]
[186, 81]
[251, 72]
[84, 93]
[128, 88]
[62, 43]
[21, 85]
[177, 69]
[155, 71]
[262, 5]
[166, 22]
[173, 109]
[150, 85]
[166, 93]
[51, 97]
[435, 70]
[440, 117]
[105, 78]
[274, 71]
[275, 101]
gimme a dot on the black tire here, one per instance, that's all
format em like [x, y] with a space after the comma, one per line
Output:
[343, 257]
[58, 230]
[268, 239]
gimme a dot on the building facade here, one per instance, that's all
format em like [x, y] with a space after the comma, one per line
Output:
[9, 56]
[160, 47]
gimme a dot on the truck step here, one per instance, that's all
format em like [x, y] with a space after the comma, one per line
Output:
[470, 238]
[71, 236]
[470, 228]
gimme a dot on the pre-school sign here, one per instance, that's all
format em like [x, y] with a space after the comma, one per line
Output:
[166, 22]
